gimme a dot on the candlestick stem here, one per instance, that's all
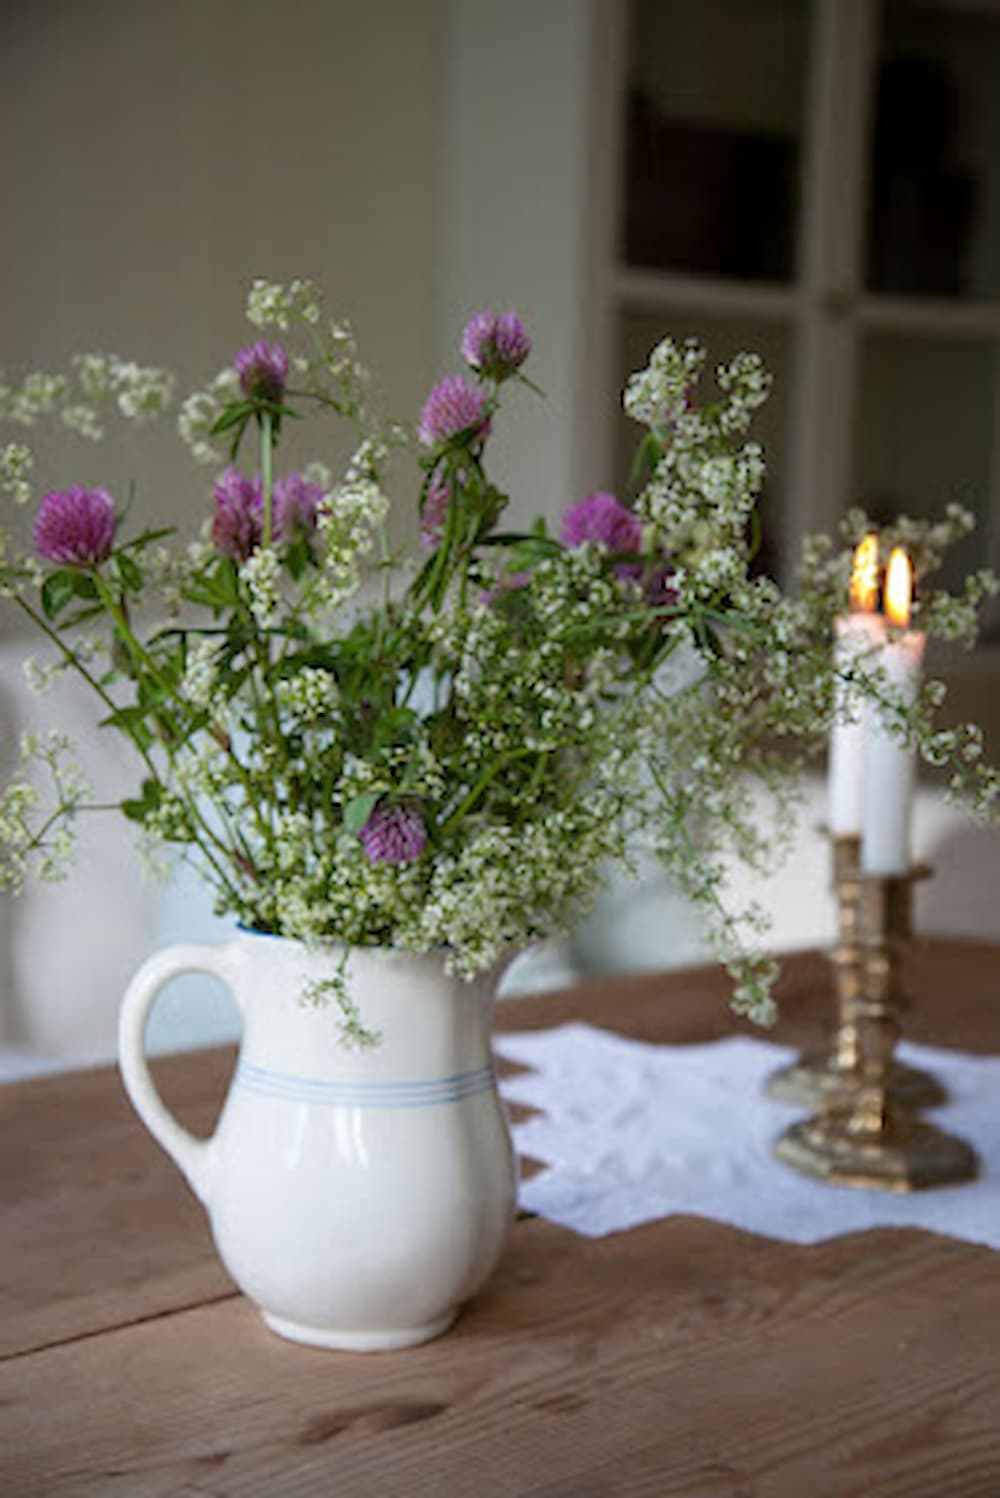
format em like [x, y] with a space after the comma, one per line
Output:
[835, 1072]
[867, 1136]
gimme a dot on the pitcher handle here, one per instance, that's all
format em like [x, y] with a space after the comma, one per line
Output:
[191, 1155]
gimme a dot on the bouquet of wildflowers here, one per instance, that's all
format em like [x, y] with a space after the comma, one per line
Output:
[446, 752]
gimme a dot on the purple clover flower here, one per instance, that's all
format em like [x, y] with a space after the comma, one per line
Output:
[263, 371]
[75, 527]
[394, 835]
[238, 522]
[296, 503]
[453, 406]
[495, 344]
[601, 518]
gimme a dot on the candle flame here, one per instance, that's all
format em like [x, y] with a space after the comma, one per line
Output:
[898, 587]
[864, 576]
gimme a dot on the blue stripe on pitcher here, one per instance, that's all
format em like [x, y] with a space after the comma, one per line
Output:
[289, 1088]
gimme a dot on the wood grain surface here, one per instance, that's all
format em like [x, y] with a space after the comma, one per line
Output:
[682, 1358]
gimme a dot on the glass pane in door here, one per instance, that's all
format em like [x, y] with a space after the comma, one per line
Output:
[714, 126]
[934, 208]
[925, 435]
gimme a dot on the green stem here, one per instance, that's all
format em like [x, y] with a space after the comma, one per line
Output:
[437, 582]
[143, 660]
[385, 562]
[481, 785]
[848, 675]
[266, 471]
[218, 868]
[140, 656]
[40, 621]
[536, 777]
[38, 838]
[112, 706]
[345, 409]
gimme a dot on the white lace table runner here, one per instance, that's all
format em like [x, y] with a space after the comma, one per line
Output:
[629, 1132]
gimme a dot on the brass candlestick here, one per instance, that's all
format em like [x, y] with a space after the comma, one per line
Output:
[869, 1137]
[817, 1077]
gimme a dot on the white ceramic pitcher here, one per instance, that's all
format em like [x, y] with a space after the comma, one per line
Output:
[358, 1197]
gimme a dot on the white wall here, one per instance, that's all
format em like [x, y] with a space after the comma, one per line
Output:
[418, 160]
[514, 222]
[157, 156]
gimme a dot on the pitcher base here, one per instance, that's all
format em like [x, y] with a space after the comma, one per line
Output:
[344, 1341]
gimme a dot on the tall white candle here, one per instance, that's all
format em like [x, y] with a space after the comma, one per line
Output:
[890, 767]
[859, 637]
[858, 634]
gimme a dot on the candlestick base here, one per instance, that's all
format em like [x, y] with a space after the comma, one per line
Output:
[815, 1079]
[903, 1154]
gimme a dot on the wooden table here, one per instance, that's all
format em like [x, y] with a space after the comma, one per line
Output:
[682, 1358]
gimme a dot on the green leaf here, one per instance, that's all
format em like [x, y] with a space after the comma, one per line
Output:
[59, 587]
[82, 616]
[543, 546]
[227, 578]
[232, 415]
[127, 717]
[298, 557]
[217, 589]
[357, 812]
[57, 590]
[84, 586]
[147, 538]
[522, 379]
[756, 533]
[647, 455]
[317, 655]
[204, 592]
[137, 809]
[418, 584]
[130, 572]
[394, 726]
